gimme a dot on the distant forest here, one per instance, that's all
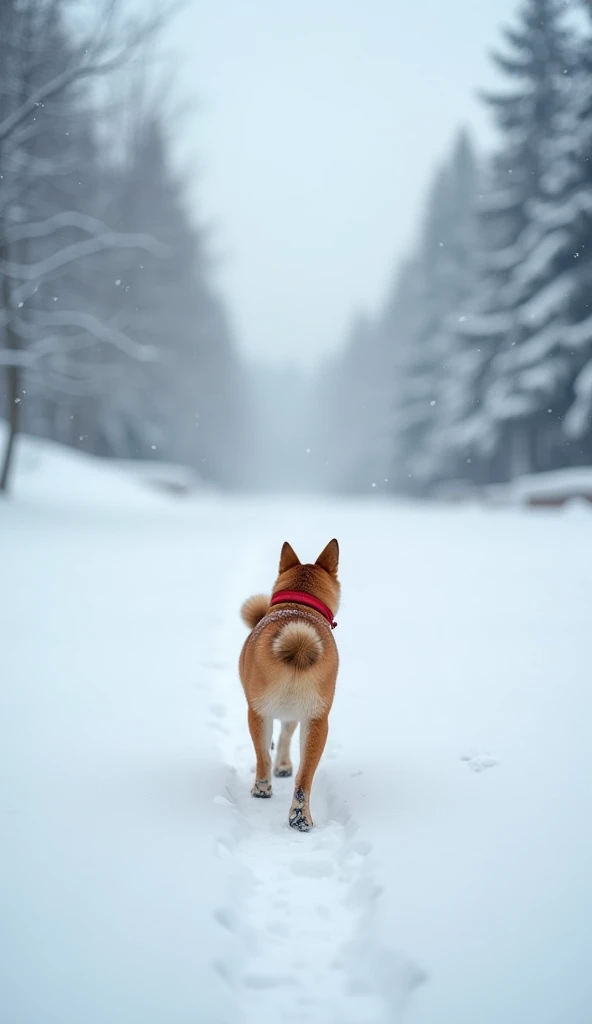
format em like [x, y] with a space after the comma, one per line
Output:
[113, 338]
[478, 368]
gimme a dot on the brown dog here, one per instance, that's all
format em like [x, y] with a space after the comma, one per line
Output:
[288, 668]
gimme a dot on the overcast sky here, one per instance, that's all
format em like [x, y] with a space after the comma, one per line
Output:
[313, 132]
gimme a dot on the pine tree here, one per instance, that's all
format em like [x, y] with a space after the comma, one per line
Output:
[189, 395]
[433, 288]
[347, 406]
[452, 278]
[518, 290]
[390, 388]
[570, 217]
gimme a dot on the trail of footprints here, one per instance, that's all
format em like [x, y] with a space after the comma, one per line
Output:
[298, 899]
[300, 918]
[302, 907]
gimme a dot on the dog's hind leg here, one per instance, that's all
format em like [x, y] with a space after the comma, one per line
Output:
[313, 736]
[283, 764]
[261, 730]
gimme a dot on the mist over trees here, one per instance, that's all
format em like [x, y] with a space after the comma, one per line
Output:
[478, 368]
[112, 336]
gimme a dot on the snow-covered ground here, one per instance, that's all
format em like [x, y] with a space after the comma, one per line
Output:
[448, 879]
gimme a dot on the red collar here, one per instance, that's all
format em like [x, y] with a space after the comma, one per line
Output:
[299, 597]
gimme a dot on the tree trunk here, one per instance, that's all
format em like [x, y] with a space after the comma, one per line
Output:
[12, 374]
[13, 393]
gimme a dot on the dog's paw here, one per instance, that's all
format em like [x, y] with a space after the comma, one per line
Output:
[262, 789]
[300, 818]
[299, 813]
[282, 771]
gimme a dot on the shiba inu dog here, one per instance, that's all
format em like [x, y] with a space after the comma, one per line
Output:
[288, 668]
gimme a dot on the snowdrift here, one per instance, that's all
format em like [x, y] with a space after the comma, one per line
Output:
[544, 490]
[44, 470]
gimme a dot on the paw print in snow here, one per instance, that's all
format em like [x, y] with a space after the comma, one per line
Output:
[479, 762]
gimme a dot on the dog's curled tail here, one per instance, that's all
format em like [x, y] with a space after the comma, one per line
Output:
[298, 644]
[254, 609]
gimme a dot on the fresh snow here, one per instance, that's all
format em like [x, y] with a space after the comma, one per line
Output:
[573, 482]
[550, 301]
[536, 264]
[562, 212]
[448, 878]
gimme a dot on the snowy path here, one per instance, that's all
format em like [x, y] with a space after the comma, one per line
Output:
[307, 915]
[448, 878]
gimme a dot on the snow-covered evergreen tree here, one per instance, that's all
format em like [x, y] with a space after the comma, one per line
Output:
[480, 365]
[389, 388]
[499, 432]
[448, 258]
[184, 406]
[572, 215]
[432, 288]
[346, 411]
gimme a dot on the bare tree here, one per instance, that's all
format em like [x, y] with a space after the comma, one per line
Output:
[47, 236]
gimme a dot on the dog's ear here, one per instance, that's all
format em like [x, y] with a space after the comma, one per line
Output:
[329, 558]
[288, 558]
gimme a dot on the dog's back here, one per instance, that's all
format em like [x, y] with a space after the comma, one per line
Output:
[289, 661]
[288, 664]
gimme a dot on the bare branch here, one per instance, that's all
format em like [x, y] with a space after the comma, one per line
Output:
[105, 333]
[10, 357]
[21, 162]
[90, 61]
[79, 250]
[63, 384]
[56, 346]
[31, 274]
[57, 222]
